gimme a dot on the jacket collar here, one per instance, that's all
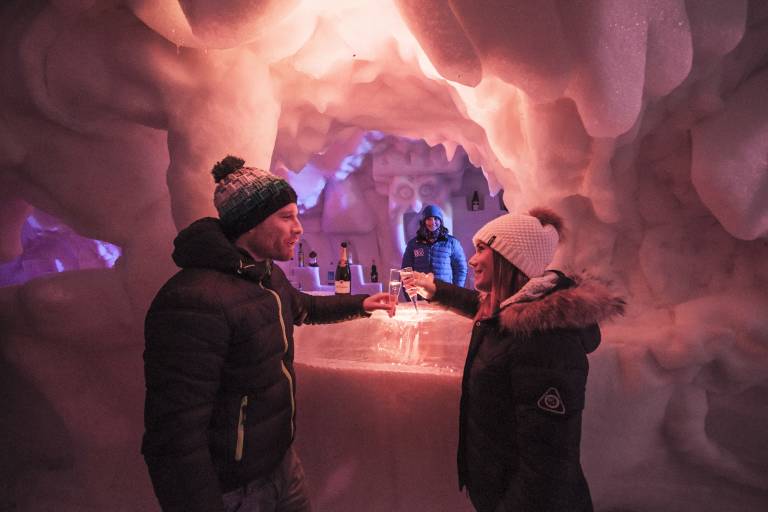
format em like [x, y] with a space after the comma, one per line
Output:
[204, 245]
[576, 302]
[258, 271]
[430, 240]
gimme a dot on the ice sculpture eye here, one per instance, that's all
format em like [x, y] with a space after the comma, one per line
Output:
[404, 191]
[427, 191]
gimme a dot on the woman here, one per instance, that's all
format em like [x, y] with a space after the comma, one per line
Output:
[526, 368]
[434, 250]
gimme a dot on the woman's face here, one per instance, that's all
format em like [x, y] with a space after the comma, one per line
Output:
[482, 264]
[432, 223]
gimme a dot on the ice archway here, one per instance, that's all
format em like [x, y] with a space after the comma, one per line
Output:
[643, 122]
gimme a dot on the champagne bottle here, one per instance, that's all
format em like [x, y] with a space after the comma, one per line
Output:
[475, 201]
[374, 272]
[312, 259]
[343, 276]
[301, 255]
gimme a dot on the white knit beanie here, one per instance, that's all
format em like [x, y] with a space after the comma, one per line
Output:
[522, 240]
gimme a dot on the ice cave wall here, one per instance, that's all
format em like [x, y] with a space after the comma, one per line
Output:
[643, 122]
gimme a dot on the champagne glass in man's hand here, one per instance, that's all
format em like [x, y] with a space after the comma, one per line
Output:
[395, 285]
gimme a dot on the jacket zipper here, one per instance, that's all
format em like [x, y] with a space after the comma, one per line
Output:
[241, 429]
[285, 351]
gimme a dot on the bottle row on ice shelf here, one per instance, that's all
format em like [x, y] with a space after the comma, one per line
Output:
[342, 277]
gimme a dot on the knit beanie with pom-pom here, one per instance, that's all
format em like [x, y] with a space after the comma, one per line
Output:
[245, 196]
[528, 241]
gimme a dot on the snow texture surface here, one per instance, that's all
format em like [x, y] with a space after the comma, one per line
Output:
[643, 122]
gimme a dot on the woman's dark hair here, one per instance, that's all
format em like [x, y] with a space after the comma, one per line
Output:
[423, 234]
[506, 281]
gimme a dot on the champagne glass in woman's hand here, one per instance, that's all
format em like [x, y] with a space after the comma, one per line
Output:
[418, 283]
[405, 274]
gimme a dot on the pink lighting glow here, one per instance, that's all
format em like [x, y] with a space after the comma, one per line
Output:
[643, 122]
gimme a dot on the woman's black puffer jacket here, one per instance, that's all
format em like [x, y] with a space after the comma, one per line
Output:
[522, 396]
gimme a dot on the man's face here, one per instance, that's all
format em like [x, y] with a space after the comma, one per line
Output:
[275, 236]
[432, 223]
[482, 264]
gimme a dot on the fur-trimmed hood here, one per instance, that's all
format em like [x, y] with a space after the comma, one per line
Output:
[576, 302]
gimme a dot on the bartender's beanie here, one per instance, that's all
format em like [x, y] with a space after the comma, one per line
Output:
[432, 210]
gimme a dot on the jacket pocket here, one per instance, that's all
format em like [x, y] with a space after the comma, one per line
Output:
[240, 438]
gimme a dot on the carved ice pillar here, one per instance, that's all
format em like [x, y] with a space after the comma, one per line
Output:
[413, 175]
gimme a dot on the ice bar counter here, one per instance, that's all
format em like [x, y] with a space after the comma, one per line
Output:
[378, 410]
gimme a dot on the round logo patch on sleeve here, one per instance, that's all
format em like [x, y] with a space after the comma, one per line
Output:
[550, 401]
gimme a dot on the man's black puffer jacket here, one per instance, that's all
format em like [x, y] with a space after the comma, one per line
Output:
[220, 402]
[523, 393]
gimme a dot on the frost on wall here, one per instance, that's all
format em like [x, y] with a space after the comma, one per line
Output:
[642, 122]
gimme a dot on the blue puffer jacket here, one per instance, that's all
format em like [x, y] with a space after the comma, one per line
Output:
[444, 258]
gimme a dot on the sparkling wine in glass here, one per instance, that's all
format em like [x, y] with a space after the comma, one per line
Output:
[395, 285]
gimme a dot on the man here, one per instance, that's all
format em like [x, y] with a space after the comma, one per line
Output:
[434, 250]
[220, 393]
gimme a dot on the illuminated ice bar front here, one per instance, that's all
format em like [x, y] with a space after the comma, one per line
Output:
[378, 410]
[431, 340]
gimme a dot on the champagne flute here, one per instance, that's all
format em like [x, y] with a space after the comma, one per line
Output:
[406, 272]
[395, 285]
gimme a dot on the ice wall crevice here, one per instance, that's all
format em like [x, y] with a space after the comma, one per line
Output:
[729, 165]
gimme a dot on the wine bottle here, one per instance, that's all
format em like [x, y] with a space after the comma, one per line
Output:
[374, 272]
[343, 276]
[312, 259]
[301, 255]
[475, 201]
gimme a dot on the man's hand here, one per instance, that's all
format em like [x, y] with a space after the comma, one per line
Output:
[423, 284]
[380, 301]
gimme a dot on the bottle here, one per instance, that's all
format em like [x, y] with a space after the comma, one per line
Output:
[343, 276]
[312, 259]
[331, 276]
[374, 272]
[475, 201]
[301, 255]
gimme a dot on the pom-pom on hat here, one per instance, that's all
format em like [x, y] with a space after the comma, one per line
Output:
[245, 196]
[528, 241]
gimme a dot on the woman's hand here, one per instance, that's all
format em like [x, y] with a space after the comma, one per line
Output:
[380, 301]
[423, 284]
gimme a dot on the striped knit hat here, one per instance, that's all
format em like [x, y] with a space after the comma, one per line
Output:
[245, 196]
[527, 241]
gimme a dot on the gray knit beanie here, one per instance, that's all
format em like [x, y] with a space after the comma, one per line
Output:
[245, 196]
[528, 241]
